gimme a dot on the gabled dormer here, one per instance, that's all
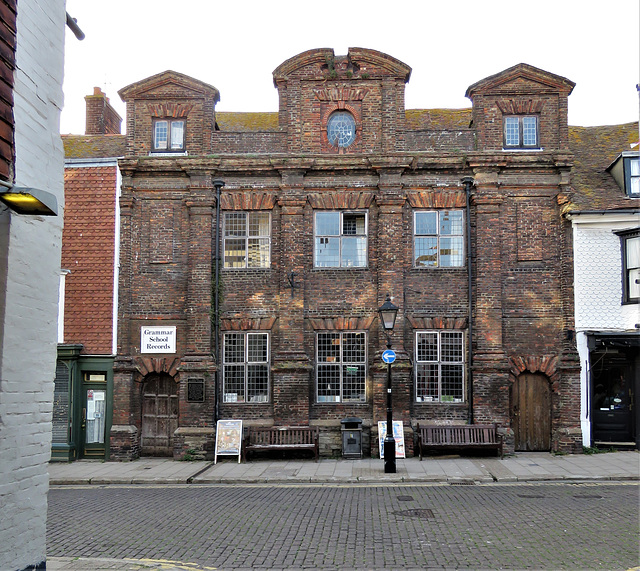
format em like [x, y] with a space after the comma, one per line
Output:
[521, 109]
[342, 104]
[625, 170]
[169, 113]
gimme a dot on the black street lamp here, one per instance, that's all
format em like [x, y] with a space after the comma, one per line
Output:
[388, 313]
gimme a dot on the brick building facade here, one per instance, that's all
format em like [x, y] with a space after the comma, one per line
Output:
[89, 276]
[337, 200]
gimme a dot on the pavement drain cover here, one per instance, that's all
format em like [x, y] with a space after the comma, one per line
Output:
[419, 512]
[405, 498]
[462, 483]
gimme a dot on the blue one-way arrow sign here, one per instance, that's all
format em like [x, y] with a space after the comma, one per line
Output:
[389, 356]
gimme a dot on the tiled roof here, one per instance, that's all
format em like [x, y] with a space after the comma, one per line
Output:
[94, 146]
[595, 148]
[417, 119]
[438, 119]
[239, 122]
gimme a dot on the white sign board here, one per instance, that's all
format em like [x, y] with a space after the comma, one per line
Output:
[158, 339]
[398, 436]
[228, 439]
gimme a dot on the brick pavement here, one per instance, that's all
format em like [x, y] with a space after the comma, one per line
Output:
[541, 525]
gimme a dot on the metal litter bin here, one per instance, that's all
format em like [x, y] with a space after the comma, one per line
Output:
[351, 438]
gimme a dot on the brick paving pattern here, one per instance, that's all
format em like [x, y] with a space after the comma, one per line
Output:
[510, 526]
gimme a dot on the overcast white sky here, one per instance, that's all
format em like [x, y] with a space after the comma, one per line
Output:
[235, 45]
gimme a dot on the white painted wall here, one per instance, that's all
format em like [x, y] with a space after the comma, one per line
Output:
[598, 288]
[30, 259]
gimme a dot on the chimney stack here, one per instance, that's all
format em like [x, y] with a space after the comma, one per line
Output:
[102, 119]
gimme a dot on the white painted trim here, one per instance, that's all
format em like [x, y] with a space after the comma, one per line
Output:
[585, 414]
[86, 163]
[61, 299]
[605, 220]
[116, 263]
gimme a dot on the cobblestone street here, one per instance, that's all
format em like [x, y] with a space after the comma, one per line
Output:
[493, 526]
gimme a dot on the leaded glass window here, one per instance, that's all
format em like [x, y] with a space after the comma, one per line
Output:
[341, 366]
[245, 367]
[340, 239]
[247, 239]
[439, 366]
[438, 238]
[521, 131]
[341, 129]
[168, 135]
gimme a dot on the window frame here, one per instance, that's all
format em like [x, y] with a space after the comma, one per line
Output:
[170, 121]
[626, 237]
[331, 118]
[246, 363]
[630, 177]
[247, 237]
[341, 237]
[438, 235]
[521, 120]
[342, 365]
[421, 396]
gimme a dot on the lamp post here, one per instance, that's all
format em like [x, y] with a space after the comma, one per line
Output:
[388, 313]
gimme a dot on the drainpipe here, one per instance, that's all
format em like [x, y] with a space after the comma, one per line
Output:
[218, 184]
[469, 182]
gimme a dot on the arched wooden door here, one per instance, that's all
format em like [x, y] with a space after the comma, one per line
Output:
[531, 412]
[159, 415]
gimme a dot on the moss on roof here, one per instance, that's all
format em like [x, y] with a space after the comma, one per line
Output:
[417, 119]
[238, 122]
[93, 146]
[438, 119]
[595, 148]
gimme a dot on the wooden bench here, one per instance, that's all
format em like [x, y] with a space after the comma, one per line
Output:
[462, 436]
[281, 438]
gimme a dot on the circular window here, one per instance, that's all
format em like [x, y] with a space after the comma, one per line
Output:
[341, 129]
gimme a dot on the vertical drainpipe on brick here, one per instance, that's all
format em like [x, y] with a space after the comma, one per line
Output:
[468, 182]
[218, 184]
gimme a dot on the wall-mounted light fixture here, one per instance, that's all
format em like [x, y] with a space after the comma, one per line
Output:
[26, 200]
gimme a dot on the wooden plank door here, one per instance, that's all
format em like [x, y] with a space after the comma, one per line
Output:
[531, 412]
[159, 415]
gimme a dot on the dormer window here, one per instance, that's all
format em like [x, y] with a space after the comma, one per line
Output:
[168, 135]
[521, 132]
[341, 129]
[625, 170]
[632, 177]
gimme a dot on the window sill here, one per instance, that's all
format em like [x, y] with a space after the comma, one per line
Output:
[440, 403]
[431, 268]
[522, 149]
[263, 270]
[168, 154]
[325, 268]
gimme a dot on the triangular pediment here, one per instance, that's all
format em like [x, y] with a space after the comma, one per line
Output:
[168, 83]
[523, 78]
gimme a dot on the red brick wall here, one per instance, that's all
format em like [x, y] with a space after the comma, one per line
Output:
[101, 117]
[88, 243]
[7, 59]
[519, 245]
